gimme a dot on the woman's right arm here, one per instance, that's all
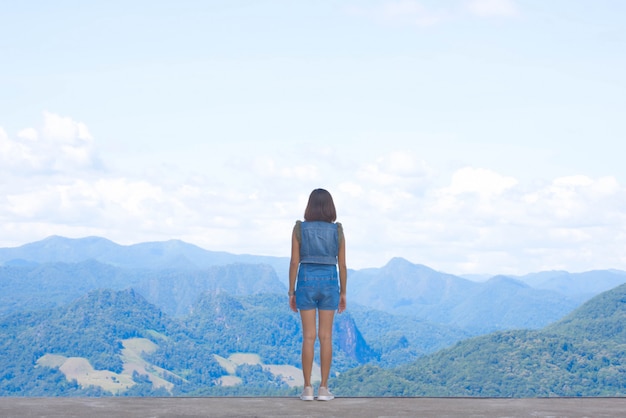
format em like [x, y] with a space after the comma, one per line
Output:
[343, 274]
[293, 270]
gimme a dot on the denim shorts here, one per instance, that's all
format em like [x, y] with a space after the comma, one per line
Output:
[322, 294]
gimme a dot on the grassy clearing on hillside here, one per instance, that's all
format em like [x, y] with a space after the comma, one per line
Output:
[134, 348]
[291, 375]
[81, 370]
[51, 360]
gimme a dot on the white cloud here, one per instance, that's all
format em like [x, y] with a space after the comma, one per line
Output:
[479, 180]
[394, 204]
[63, 129]
[577, 201]
[396, 168]
[13, 154]
[60, 145]
[28, 133]
[351, 189]
[572, 222]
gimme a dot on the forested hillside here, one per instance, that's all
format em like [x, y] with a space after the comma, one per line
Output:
[226, 344]
[92, 327]
[584, 354]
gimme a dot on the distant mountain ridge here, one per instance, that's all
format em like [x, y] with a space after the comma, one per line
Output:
[39, 286]
[172, 273]
[172, 254]
[578, 286]
[501, 302]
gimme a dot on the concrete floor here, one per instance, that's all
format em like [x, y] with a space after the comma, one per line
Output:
[293, 407]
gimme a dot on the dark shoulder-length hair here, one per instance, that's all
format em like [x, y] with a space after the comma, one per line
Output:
[320, 207]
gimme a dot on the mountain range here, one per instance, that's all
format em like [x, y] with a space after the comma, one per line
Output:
[172, 254]
[208, 308]
[172, 274]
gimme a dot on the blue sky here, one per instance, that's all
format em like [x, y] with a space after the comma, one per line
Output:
[472, 136]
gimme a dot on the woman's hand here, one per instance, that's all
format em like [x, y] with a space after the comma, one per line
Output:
[342, 303]
[292, 303]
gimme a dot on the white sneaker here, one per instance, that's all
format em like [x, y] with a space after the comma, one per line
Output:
[323, 394]
[307, 394]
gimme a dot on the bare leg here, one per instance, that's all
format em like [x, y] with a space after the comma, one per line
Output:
[308, 343]
[326, 344]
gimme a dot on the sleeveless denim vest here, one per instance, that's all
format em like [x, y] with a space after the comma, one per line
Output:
[319, 243]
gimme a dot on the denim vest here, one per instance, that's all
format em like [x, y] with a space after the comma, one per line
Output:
[319, 243]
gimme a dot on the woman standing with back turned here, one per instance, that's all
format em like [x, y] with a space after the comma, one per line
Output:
[317, 248]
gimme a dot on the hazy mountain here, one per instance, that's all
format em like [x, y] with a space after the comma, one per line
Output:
[28, 286]
[172, 274]
[584, 354]
[176, 291]
[413, 290]
[505, 303]
[405, 288]
[172, 254]
[39, 286]
[577, 286]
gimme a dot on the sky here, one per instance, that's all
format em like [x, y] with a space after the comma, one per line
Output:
[471, 136]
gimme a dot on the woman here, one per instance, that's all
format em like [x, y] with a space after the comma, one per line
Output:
[317, 248]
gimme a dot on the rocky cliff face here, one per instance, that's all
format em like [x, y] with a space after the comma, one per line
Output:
[350, 341]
